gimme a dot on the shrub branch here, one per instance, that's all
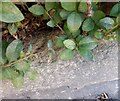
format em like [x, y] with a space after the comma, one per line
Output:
[55, 23]
[113, 29]
[90, 13]
[19, 60]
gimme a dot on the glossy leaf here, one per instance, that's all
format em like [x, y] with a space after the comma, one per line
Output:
[12, 28]
[37, 10]
[74, 21]
[22, 66]
[115, 11]
[67, 54]
[64, 14]
[51, 23]
[9, 73]
[18, 81]
[50, 44]
[32, 74]
[67, 31]
[70, 44]
[56, 18]
[59, 42]
[49, 5]
[63, 37]
[88, 43]
[83, 7]
[87, 54]
[87, 40]
[22, 54]
[118, 18]
[92, 32]
[98, 15]
[94, 6]
[10, 13]
[75, 34]
[69, 6]
[79, 38]
[13, 50]
[107, 22]
[3, 46]
[88, 25]
[99, 35]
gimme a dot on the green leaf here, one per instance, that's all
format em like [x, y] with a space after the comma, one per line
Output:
[37, 10]
[13, 50]
[45, 16]
[99, 35]
[49, 5]
[79, 38]
[69, 6]
[9, 13]
[3, 46]
[56, 18]
[92, 32]
[12, 28]
[64, 14]
[50, 44]
[63, 37]
[22, 54]
[67, 31]
[107, 22]
[59, 42]
[115, 10]
[18, 81]
[87, 54]
[74, 21]
[51, 23]
[32, 74]
[83, 7]
[9, 73]
[94, 6]
[75, 34]
[88, 43]
[22, 66]
[67, 54]
[98, 15]
[70, 44]
[118, 18]
[88, 25]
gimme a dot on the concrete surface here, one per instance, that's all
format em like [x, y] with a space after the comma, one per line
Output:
[74, 79]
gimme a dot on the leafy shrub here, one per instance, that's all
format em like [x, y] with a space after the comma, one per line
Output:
[14, 64]
[84, 26]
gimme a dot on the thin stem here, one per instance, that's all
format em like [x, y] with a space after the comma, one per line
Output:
[90, 13]
[56, 23]
[112, 29]
[12, 63]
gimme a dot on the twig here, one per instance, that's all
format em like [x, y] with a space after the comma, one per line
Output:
[55, 23]
[112, 29]
[90, 13]
[12, 63]
[52, 19]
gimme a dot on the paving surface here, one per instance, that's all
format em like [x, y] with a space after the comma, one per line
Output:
[72, 79]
